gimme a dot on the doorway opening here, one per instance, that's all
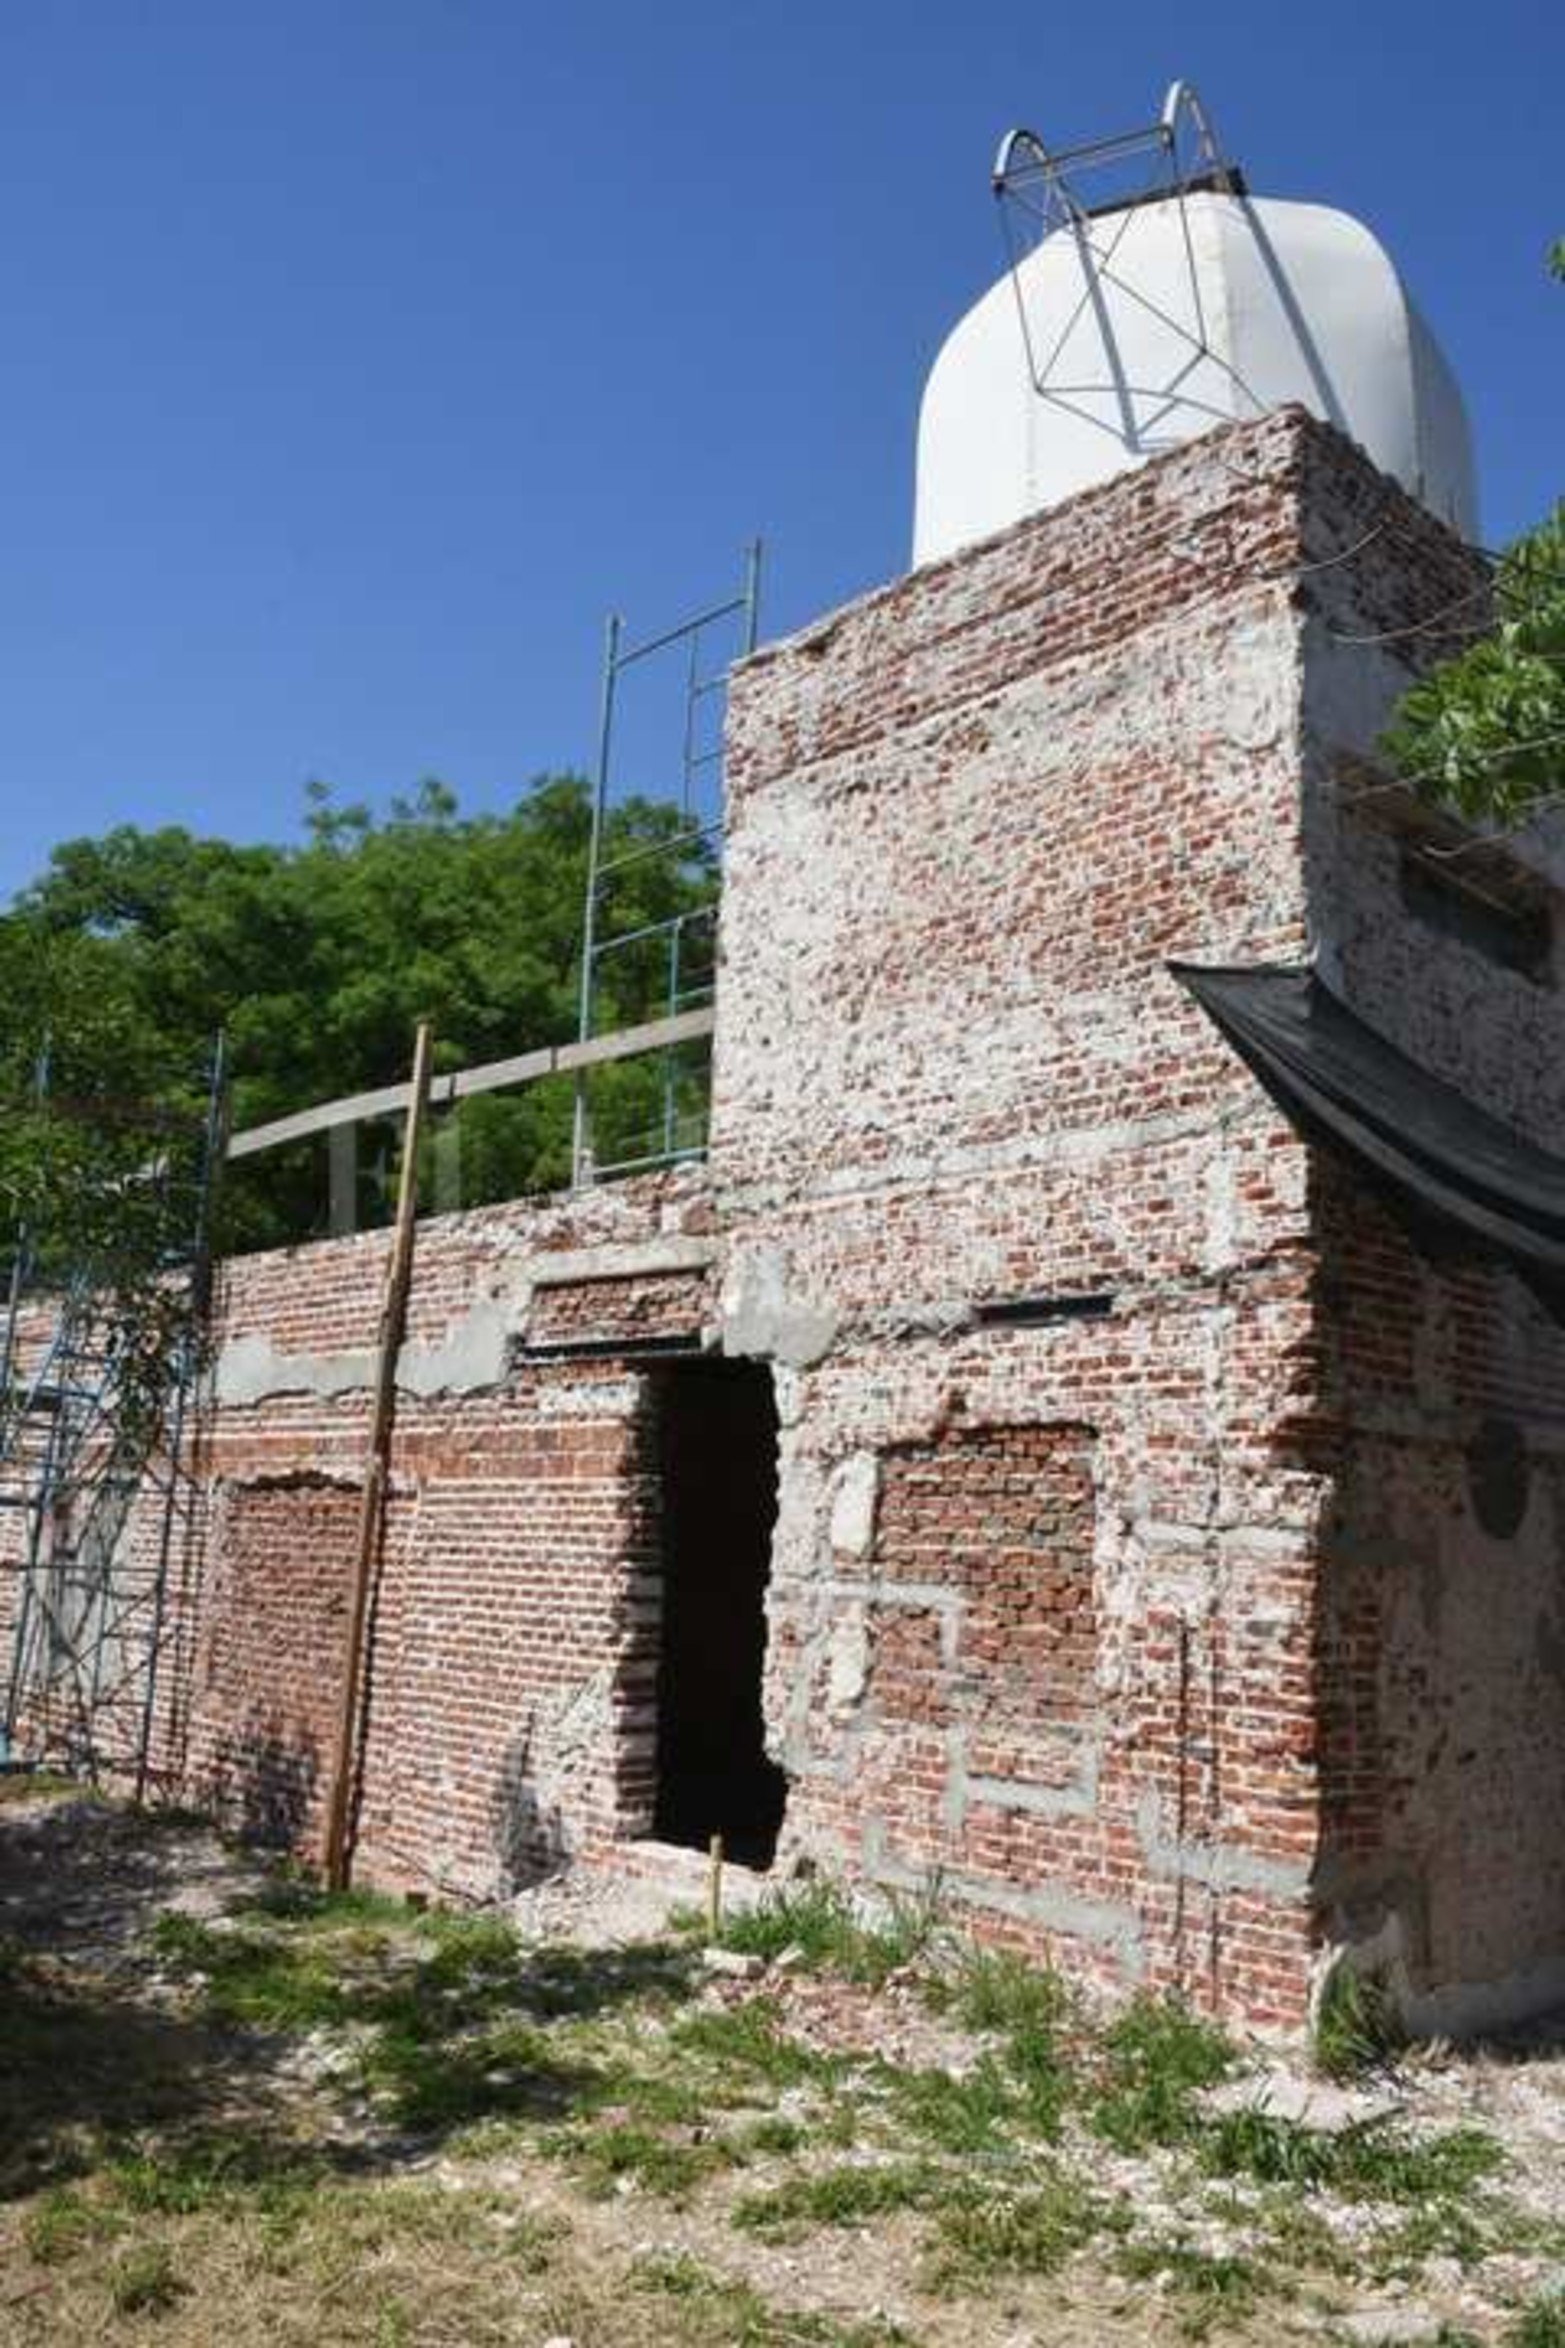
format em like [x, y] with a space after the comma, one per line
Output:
[718, 1450]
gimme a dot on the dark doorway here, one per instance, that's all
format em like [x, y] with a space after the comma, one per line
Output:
[719, 1461]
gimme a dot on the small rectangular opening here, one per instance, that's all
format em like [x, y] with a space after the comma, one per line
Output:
[1085, 1305]
[718, 1465]
[1516, 936]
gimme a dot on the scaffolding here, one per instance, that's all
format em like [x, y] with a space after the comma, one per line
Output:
[634, 967]
[100, 1502]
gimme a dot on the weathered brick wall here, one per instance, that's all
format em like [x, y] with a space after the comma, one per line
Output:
[1167, 1555]
[508, 1717]
[969, 819]
[1442, 1645]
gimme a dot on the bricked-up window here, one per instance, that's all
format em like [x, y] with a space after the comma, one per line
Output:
[1515, 933]
[1003, 1518]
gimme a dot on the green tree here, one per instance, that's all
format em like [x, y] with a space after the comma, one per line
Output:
[1484, 733]
[319, 959]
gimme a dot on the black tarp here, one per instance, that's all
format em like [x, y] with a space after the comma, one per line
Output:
[1445, 1160]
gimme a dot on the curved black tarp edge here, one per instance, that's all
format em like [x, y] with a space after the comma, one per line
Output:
[1340, 1081]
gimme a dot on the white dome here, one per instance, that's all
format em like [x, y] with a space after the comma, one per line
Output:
[1146, 326]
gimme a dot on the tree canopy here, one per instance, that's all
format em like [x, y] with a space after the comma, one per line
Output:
[1484, 733]
[317, 960]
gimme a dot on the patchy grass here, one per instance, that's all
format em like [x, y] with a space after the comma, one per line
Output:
[750, 2037]
[511, 2070]
[145, 2280]
[623, 2152]
[970, 2113]
[845, 2195]
[1542, 2325]
[1155, 2060]
[711, 2308]
[829, 1932]
[232, 2162]
[994, 1989]
[1208, 2287]
[62, 2223]
[1356, 2031]
[36, 1785]
[1031, 2230]
[1376, 2160]
[263, 1977]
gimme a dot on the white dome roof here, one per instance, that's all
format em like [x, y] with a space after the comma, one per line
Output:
[1125, 332]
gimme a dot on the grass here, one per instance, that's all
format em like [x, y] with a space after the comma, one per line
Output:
[1542, 2325]
[1355, 2031]
[1155, 2060]
[1375, 2160]
[627, 2153]
[844, 2195]
[1210, 2287]
[36, 1785]
[970, 2113]
[61, 2223]
[144, 2280]
[164, 2185]
[994, 1989]
[751, 2038]
[826, 1929]
[1030, 2230]
[729, 2314]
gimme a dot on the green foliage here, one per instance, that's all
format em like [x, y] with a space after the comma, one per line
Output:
[966, 2113]
[62, 2223]
[731, 2315]
[144, 2280]
[1484, 734]
[1029, 2231]
[751, 2037]
[1372, 2161]
[1542, 2325]
[1156, 2059]
[1356, 2029]
[628, 2151]
[318, 961]
[994, 1989]
[842, 2196]
[823, 1925]
[1211, 2286]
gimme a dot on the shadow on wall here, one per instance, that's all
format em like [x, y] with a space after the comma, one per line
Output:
[263, 1782]
[528, 1832]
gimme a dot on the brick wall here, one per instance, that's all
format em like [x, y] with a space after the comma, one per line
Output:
[1167, 1553]
[969, 819]
[508, 1721]
[1441, 1662]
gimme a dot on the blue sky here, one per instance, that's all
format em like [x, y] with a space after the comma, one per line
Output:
[355, 359]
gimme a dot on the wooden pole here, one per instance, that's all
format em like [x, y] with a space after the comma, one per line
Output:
[377, 1464]
[714, 1888]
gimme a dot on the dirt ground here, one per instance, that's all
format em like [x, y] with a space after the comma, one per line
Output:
[232, 2110]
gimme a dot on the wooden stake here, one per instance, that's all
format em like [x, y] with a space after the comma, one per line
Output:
[377, 1464]
[714, 1890]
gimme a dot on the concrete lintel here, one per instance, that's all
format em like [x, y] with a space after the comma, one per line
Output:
[621, 1260]
[473, 1355]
